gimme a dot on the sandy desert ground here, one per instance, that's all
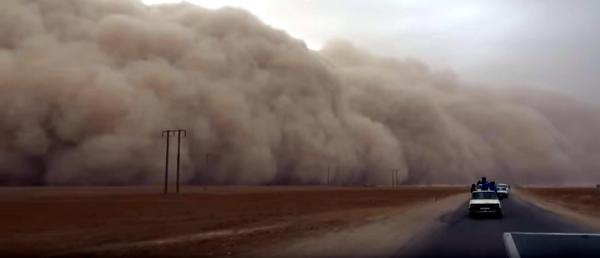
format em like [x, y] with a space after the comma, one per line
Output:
[202, 221]
[585, 200]
[580, 204]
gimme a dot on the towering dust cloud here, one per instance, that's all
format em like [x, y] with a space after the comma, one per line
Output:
[87, 86]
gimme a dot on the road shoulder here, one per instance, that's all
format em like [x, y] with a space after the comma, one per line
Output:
[556, 208]
[383, 236]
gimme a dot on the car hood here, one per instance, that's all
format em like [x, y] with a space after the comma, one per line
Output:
[484, 201]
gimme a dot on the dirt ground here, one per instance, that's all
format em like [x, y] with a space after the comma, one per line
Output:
[202, 221]
[582, 200]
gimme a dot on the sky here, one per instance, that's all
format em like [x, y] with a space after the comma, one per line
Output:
[550, 44]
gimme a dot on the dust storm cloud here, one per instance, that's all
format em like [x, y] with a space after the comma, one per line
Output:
[87, 86]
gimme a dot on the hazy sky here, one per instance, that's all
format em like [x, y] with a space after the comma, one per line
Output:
[545, 43]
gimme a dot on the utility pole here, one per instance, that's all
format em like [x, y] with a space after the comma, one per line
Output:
[178, 153]
[168, 134]
[395, 176]
[398, 178]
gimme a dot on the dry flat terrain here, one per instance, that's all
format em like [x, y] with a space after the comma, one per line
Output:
[582, 200]
[213, 221]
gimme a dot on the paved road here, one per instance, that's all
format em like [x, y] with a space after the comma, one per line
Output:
[482, 237]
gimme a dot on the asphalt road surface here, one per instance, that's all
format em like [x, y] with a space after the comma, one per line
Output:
[482, 237]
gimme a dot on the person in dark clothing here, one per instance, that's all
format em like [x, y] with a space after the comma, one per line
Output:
[485, 185]
[493, 186]
[473, 188]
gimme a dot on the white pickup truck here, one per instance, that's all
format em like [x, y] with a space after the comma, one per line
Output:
[503, 190]
[485, 203]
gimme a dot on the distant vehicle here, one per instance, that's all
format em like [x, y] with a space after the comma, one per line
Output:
[503, 190]
[485, 202]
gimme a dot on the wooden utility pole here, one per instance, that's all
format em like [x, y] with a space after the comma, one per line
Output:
[168, 134]
[178, 153]
[395, 178]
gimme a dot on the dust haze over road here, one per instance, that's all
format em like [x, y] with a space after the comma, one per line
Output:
[87, 86]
